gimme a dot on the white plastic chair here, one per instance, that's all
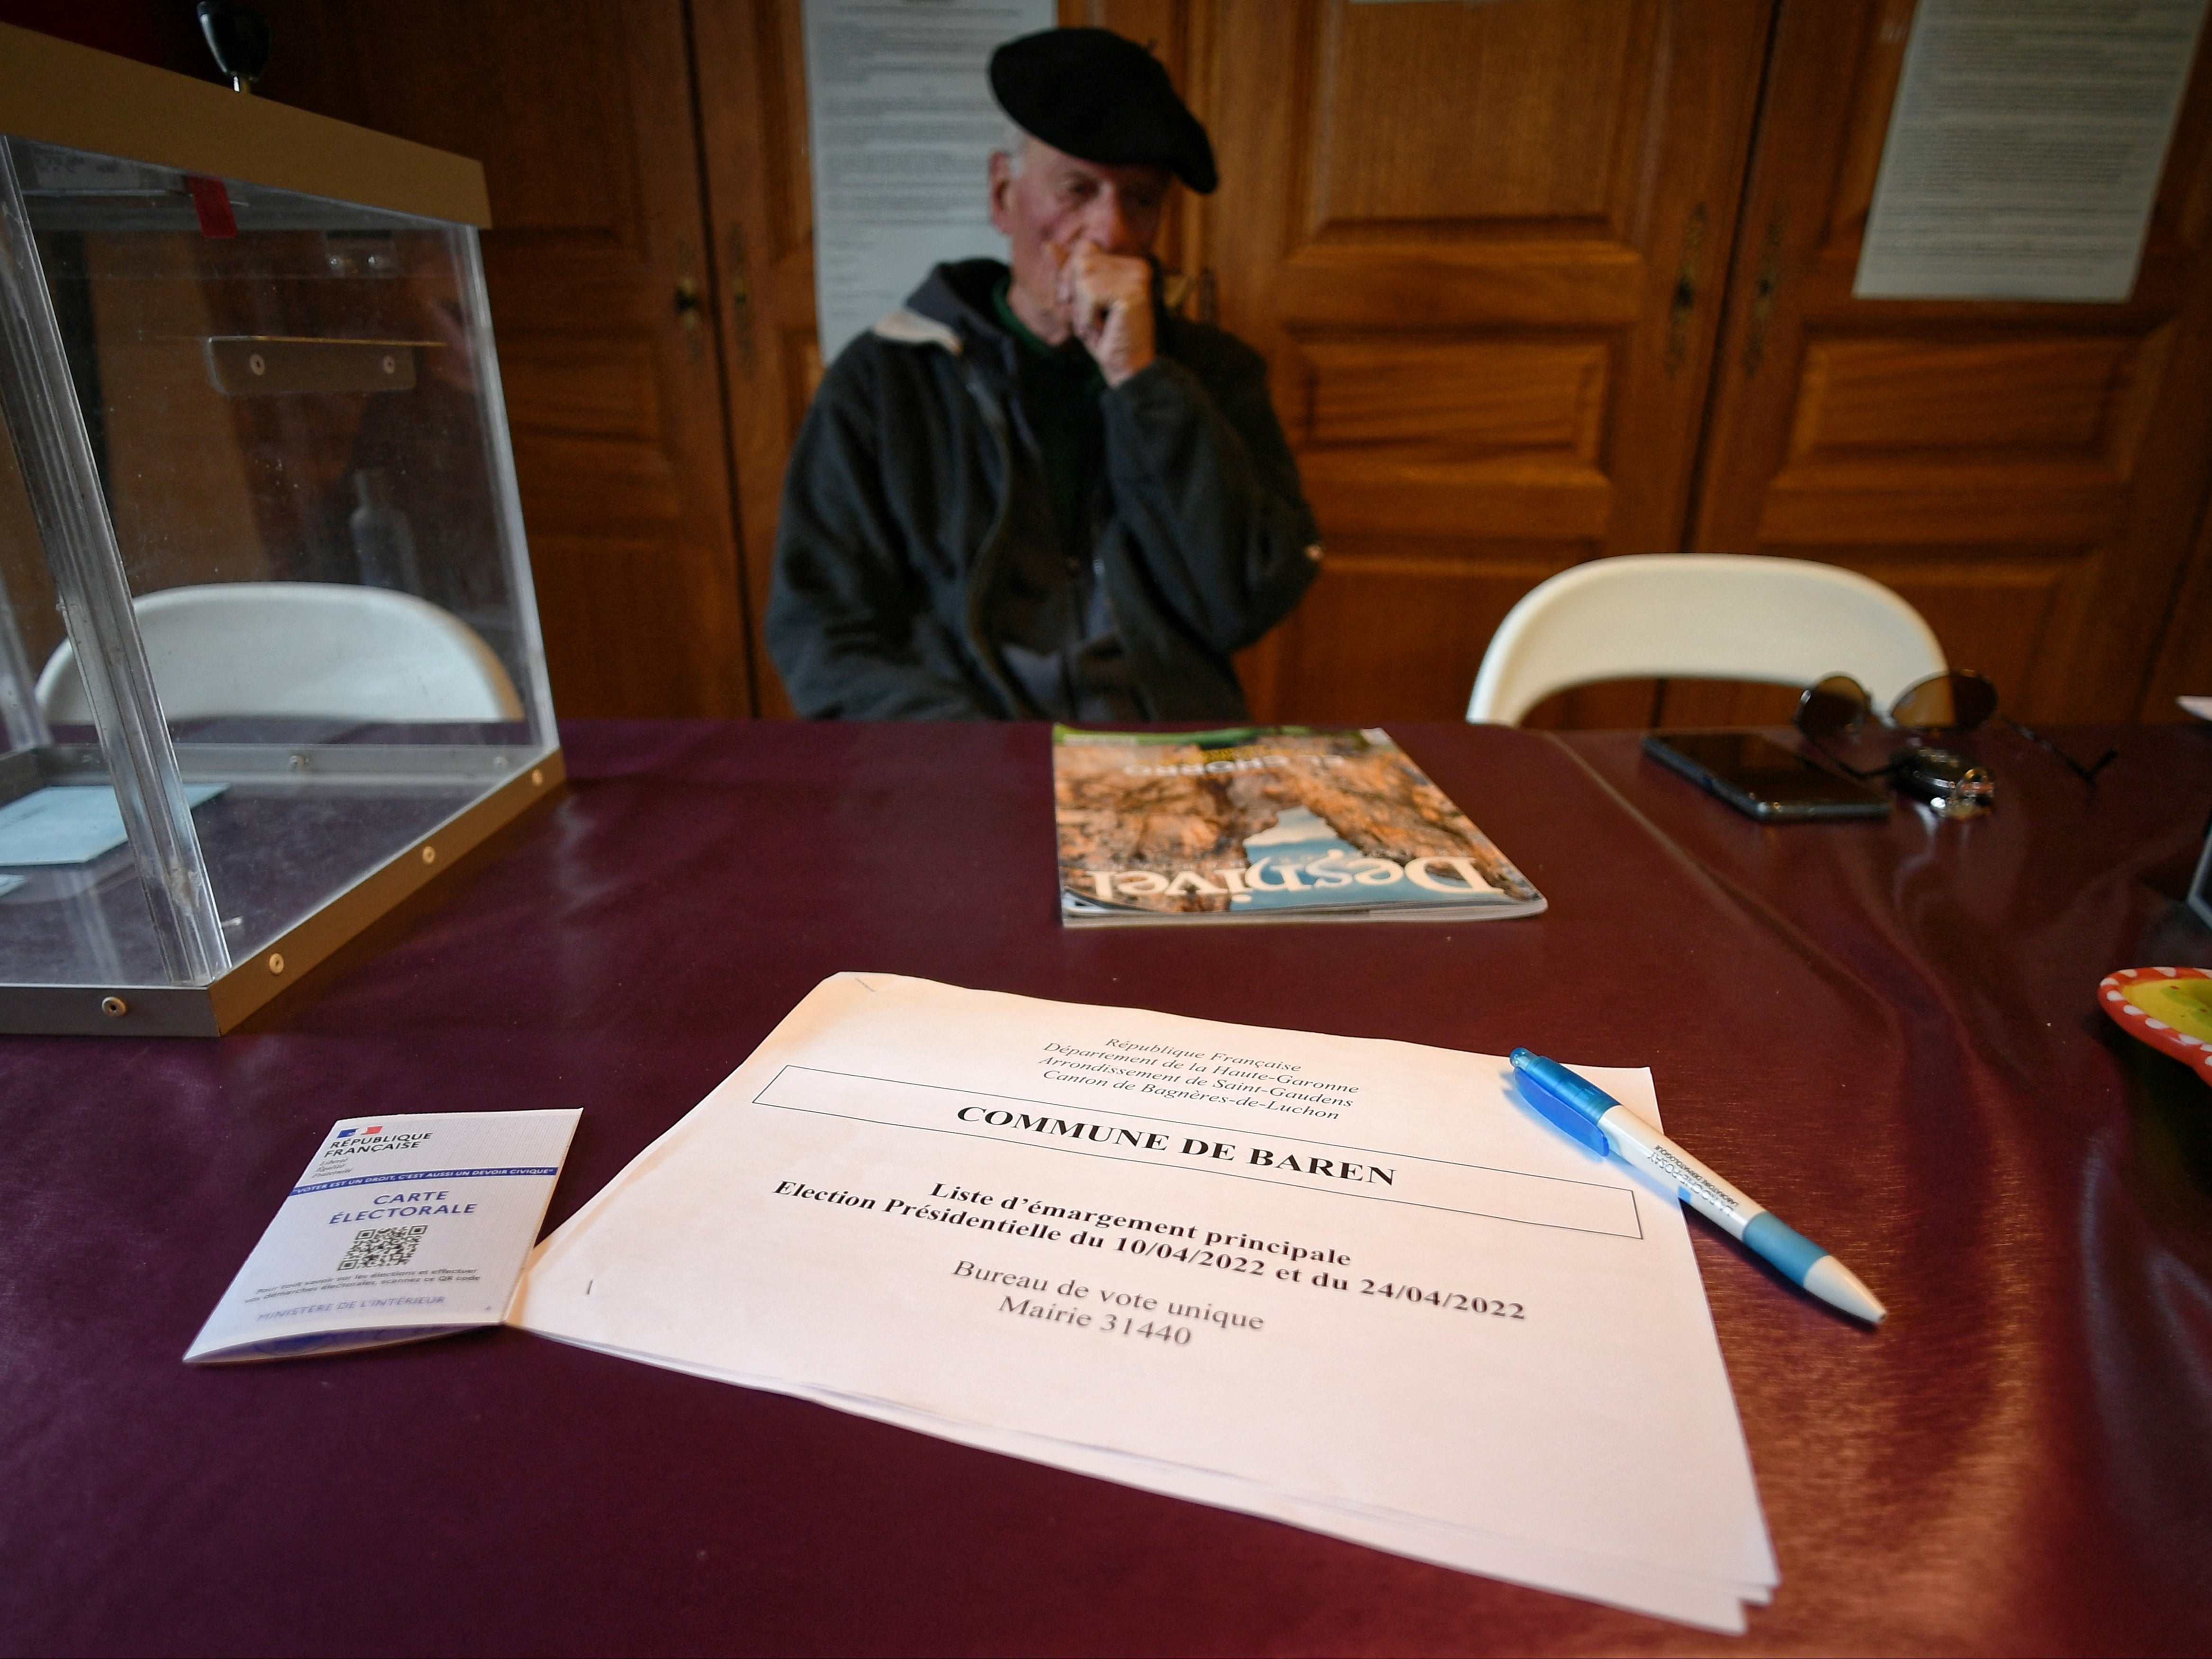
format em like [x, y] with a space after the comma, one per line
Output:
[1708, 616]
[307, 649]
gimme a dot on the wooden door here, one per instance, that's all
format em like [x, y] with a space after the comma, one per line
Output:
[1482, 246]
[760, 196]
[600, 266]
[2027, 475]
[2185, 657]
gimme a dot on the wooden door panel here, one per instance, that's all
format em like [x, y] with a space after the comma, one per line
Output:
[2184, 660]
[580, 112]
[587, 485]
[1436, 121]
[2005, 505]
[2027, 475]
[752, 119]
[593, 389]
[2011, 442]
[1362, 496]
[2003, 606]
[1479, 246]
[583, 581]
[2017, 395]
[1467, 395]
[1546, 283]
[1384, 637]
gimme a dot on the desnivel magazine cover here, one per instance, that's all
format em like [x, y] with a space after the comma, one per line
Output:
[1265, 823]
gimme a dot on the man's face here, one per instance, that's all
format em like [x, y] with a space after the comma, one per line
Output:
[1057, 203]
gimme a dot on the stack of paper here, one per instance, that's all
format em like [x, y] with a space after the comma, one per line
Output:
[1352, 1284]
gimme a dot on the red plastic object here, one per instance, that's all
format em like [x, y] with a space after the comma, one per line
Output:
[2169, 1008]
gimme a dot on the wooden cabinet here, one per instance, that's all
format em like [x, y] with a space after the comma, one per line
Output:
[599, 265]
[1539, 280]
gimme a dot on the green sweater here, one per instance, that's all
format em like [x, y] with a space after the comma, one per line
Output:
[1059, 387]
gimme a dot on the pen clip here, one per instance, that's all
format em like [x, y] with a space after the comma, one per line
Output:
[1563, 1117]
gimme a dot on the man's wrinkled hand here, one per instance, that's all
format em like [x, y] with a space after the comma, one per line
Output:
[1107, 301]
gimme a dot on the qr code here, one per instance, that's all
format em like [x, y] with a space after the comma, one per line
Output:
[384, 1247]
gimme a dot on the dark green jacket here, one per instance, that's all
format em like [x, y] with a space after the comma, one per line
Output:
[899, 509]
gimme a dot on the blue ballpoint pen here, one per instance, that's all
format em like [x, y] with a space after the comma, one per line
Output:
[1585, 1112]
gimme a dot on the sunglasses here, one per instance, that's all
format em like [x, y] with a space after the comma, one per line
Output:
[1956, 701]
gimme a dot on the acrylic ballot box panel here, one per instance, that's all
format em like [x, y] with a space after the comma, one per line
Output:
[268, 649]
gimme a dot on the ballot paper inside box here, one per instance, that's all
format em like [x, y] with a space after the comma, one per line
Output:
[269, 655]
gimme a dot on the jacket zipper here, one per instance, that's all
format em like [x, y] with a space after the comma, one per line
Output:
[992, 550]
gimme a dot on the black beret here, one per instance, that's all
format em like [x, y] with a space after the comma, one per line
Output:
[1101, 98]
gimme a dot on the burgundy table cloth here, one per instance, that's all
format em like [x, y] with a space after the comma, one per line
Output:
[1886, 1030]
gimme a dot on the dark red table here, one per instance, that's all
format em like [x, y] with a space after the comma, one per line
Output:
[1886, 1030]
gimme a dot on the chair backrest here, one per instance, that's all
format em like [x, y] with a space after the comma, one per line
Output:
[309, 649]
[1708, 616]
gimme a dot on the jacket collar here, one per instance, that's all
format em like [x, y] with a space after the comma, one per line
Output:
[952, 309]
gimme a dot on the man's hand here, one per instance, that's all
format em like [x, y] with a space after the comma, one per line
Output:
[1107, 301]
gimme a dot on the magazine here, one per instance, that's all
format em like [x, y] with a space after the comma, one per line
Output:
[1265, 823]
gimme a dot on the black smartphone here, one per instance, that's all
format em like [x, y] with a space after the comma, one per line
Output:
[1764, 778]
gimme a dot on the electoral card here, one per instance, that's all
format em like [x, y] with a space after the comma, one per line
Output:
[401, 1228]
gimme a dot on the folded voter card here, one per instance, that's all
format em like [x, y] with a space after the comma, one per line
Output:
[402, 1228]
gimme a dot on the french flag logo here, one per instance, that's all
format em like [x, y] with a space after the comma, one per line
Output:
[373, 1129]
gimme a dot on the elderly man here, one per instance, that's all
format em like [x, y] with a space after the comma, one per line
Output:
[1037, 493]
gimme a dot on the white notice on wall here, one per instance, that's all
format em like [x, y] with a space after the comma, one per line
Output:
[902, 124]
[2025, 149]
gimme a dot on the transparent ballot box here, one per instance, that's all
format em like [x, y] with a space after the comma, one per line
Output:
[268, 655]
